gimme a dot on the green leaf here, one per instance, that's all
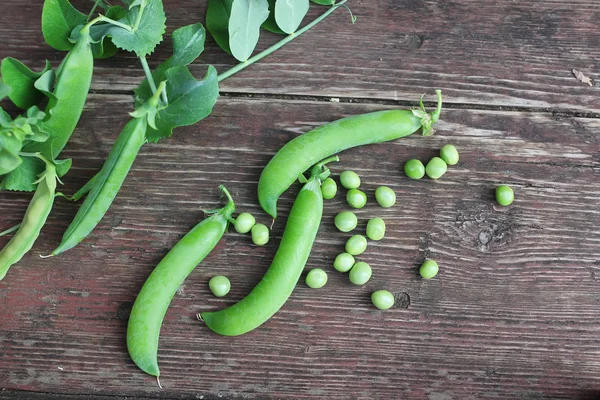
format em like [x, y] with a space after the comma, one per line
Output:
[22, 82]
[59, 18]
[4, 90]
[23, 178]
[270, 24]
[149, 32]
[188, 44]
[244, 26]
[217, 22]
[63, 166]
[104, 47]
[45, 84]
[324, 2]
[290, 13]
[189, 101]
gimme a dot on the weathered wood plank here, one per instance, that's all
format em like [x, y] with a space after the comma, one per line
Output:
[517, 54]
[514, 312]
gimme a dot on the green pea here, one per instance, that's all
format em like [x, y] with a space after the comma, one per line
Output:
[360, 273]
[449, 154]
[356, 198]
[350, 179]
[382, 299]
[436, 167]
[414, 169]
[385, 196]
[429, 269]
[244, 222]
[356, 245]
[329, 189]
[346, 221]
[376, 229]
[343, 262]
[504, 195]
[316, 278]
[219, 285]
[260, 234]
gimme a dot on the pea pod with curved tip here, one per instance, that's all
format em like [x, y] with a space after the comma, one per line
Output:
[151, 305]
[65, 106]
[35, 217]
[300, 153]
[277, 285]
[106, 184]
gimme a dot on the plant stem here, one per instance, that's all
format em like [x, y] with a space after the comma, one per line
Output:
[93, 9]
[138, 20]
[150, 79]
[102, 18]
[11, 230]
[278, 45]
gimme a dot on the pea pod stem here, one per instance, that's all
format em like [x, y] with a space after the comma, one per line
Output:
[296, 156]
[279, 44]
[279, 281]
[150, 307]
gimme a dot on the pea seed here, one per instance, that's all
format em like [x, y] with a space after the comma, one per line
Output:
[356, 245]
[436, 167]
[219, 285]
[244, 222]
[316, 278]
[356, 198]
[346, 221]
[350, 179]
[414, 169]
[449, 154]
[376, 229]
[260, 234]
[343, 262]
[382, 299]
[504, 195]
[329, 189]
[429, 269]
[385, 196]
[360, 273]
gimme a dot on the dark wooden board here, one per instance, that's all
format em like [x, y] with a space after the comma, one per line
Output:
[482, 53]
[514, 312]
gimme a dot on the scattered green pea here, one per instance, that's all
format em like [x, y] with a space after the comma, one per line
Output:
[376, 229]
[436, 167]
[356, 198]
[260, 234]
[385, 196]
[414, 169]
[504, 195]
[449, 154]
[350, 179]
[346, 221]
[244, 222]
[343, 262]
[219, 285]
[429, 269]
[356, 245]
[382, 299]
[360, 273]
[316, 278]
[329, 189]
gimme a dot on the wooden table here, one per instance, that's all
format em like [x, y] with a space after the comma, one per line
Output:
[515, 310]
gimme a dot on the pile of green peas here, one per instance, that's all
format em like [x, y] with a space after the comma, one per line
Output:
[436, 167]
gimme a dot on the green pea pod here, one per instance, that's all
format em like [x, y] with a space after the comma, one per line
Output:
[300, 153]
[35, 217]
[277, 284]
[106, 184]
[65, 106]
[153, 300]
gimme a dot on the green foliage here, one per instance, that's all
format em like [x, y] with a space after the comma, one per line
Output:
[244, 26]
[290, 13]
[59, 18]
[22, 81]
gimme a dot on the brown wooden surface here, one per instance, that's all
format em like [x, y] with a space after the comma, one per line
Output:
[515, 310]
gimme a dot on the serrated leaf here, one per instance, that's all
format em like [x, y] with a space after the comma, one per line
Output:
[290, 13]
[188, 44]
[244, 26]
[270, 24]
[324, 2]
[190, 101]
[23, 178]
[149, 33]
[104, 47]
[217, 22]
[22, 80]
[59, 18]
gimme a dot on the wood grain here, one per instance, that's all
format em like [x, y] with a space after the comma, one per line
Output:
[482, 53]
[514, 312]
